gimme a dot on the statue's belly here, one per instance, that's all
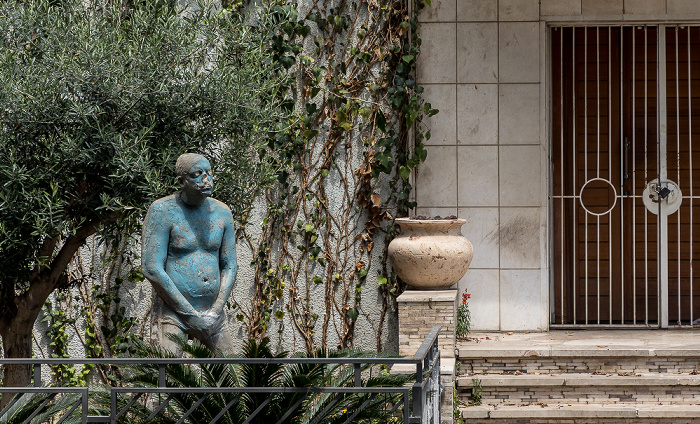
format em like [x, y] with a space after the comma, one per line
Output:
[196, 275]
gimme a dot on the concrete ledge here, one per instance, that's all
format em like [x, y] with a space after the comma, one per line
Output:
[601, 353]
[427, 296]
[582, 411]
[669, 411]
[529, 380]
[576, 353]
[564, 412]
[502, 353]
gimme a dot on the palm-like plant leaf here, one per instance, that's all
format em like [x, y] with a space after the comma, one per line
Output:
[269, 406]
[56, 406]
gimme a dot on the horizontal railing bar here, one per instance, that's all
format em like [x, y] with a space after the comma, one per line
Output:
[420, 354]
[203, 361]
[32, 389]
[143, 390]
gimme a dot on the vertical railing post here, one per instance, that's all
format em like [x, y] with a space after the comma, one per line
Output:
[418, 400]
[37, 375]
[358, 375]
[161, 375]
[85, 412]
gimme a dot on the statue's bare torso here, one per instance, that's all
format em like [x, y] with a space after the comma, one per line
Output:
[195, 237]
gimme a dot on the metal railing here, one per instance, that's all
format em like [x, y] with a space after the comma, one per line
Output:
[417, 403]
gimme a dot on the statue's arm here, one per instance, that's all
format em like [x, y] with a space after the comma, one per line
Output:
[154, 253]
[227, 263]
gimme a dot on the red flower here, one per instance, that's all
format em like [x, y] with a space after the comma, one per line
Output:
[465, 296]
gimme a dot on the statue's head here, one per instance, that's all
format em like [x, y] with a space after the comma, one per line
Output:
[195, 177]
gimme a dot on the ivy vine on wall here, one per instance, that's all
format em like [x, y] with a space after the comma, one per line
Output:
[346, 163]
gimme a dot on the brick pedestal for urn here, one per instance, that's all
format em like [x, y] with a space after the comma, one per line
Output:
[419, 312]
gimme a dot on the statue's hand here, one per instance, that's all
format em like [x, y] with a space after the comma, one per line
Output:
[202, 324]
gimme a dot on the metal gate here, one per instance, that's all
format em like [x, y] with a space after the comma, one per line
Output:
[624, 175]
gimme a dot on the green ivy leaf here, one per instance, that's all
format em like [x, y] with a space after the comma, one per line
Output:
[353, 313]
[317, 279]
[404, 172]
[287, 61]
[381, 280]
[381, 121]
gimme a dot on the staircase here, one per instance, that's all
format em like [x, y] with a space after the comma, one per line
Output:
[649, 376]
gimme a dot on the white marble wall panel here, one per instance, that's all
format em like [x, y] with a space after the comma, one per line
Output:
[519, 238]
[482, 231]
[602, 7]
[477, 175]
[518, 10]
[438, 59]
[484, 305]
[519, 52]
[443, 126]
[521, 300]
[519, 114]
[437, 185]
[443, 212]
[477, 10]
[520, 176]
[682, 6]
[439, 11]
[477, 52]
[560, 7]
[477, 114]
[645, 7]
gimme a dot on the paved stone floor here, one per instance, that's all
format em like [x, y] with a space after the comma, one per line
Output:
[630, 342]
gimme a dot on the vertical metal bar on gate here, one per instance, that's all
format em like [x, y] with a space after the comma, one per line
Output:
[585, 159]
[634, 176]
[562, 209]
[597, 167]
[678, 176]
[610, 176]
[646, 177]
[690, 158]
[574, 256]
[623, 172]
[662, 237]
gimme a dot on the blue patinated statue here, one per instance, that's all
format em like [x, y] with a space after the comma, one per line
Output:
[189, 256]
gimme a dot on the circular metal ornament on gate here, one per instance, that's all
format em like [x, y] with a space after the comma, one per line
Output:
[595, 189]
[665, 197]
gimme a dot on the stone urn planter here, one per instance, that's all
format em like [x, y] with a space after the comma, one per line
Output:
[430, 254]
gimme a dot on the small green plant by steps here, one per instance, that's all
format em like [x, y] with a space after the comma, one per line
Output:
[456, 412]
[476, 392]
[463, 317]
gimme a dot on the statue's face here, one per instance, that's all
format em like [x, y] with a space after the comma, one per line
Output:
[199, 179]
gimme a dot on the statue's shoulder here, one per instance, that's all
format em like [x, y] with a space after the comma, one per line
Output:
[164, 203]
[218, 206]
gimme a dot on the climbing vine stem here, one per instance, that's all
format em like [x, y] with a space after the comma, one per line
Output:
[345, 164]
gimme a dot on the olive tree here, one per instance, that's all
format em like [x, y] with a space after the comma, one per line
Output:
[96, 103]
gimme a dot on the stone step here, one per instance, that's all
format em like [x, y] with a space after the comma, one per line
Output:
[638, 389]
[475, 359]
[589, 414]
